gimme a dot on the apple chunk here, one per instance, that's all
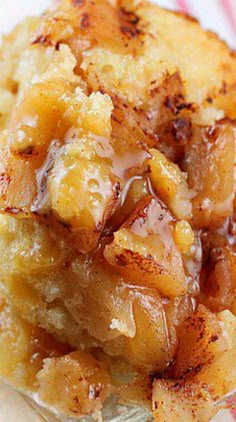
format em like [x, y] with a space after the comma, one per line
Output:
[75, 384]
[210, 162]
[144, 250]
[198, 395]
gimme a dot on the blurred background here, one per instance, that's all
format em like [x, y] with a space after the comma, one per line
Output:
[217, 15]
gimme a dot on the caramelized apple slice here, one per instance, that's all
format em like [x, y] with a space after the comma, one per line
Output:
[170, 185]
[153, 344]
[218, 277]
[75, 384]
[83, 192]
[17, 182]
[209, 162]
[144, 250]
[24, 147]
[201, 340]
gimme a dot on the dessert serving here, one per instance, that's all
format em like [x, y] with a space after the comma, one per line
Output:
[117, 211]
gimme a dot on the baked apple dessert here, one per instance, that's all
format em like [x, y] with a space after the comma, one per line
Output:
[117, 210]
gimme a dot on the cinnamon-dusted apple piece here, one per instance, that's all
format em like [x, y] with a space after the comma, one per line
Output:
[207, 352]
[179, 400]
[209, 163]
[201, 341]
[218, 276]
[75, 384]
[144, 249]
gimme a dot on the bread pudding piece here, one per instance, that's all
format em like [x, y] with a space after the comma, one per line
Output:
[117, 210]
[31, 358]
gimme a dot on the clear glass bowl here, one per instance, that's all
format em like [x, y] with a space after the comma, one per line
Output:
[15, 406]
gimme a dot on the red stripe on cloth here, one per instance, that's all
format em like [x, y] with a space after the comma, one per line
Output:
[232, 403]
[183, 6]
[229, 12]
[233, 413]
